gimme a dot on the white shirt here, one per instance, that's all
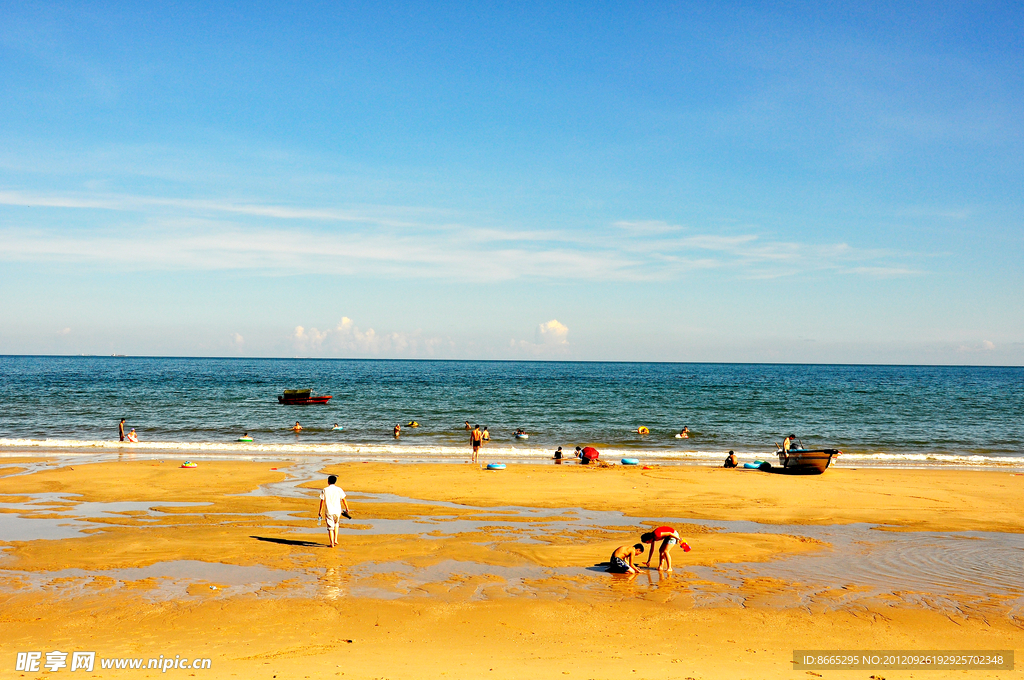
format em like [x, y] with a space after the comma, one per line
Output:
[331, 496]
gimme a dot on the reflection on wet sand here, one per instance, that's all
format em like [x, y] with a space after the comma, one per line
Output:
[849, 563]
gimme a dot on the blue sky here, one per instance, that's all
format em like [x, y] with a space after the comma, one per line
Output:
[670, 182]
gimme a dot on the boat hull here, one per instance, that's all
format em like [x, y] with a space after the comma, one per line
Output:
[303, 401]
[805, 462]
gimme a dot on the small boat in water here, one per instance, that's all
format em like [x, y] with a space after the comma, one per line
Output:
[806, 461]
[301, 398]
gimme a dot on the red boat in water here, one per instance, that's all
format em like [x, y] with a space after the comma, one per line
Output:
[301, 398]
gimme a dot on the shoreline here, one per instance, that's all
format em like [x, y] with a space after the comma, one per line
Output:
[430, 453]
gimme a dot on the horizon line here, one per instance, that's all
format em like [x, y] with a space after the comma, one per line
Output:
[503, 361]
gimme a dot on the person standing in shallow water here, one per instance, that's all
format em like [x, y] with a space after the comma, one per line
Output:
[120, 430]
[668, 537]
[475, 439]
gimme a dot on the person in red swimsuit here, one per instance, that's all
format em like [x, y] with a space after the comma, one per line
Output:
[668, 537]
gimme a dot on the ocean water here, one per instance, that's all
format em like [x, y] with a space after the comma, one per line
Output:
[877, 415]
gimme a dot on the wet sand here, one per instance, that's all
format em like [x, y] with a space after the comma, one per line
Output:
[450, 571]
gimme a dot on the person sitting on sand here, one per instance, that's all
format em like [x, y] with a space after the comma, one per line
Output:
[297, 428]
[730, 460]
[622, 559]
[668, 537]
[331, 500]
[558, 453]
[132, 437]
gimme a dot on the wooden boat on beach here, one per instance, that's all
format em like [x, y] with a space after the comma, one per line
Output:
[301, 398]
[806, 461]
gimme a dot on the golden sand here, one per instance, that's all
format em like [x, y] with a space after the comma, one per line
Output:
[361, 611]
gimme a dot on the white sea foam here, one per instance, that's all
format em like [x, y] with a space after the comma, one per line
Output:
[408, 452]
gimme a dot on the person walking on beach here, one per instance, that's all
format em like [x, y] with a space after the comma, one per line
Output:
[331, 500]
[120, 430]
[475, 439]
[668, 537]
[622, 559]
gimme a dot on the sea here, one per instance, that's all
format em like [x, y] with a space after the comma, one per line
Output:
[891, 416]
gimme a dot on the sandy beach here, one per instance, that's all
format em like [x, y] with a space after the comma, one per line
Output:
[450, 571]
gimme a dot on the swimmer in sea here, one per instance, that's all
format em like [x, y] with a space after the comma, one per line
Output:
[398, 430]
[622, 559]
[297, 428]
[132, 437]
[467, 426]
[684, 433]
[485, 436]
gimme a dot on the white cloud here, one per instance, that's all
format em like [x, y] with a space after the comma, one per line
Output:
[185, 234]
[347, 339]
[983, 346]
[121, 203]
[552, 333]
[551, 339]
